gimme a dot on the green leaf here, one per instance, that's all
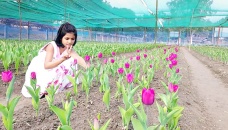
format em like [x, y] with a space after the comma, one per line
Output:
[106, 98]
[104, 127]
[136, 124]
[65, 127]
[11, 108]
[69, 111]
[60, 113]
[3, 110]
[10, 89]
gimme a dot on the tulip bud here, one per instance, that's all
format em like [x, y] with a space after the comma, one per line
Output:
[127, 65]
[130, 78]
[173, 87]
[113, 53]
[112, 60]
[87, 58]
[96, 124]
[33, 75]
[7, 76]
[148, 96]
[120, 70]
[100, 55]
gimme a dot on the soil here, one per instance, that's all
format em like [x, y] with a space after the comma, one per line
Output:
[202, 92]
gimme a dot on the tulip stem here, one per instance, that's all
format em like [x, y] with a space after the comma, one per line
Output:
[147, 112]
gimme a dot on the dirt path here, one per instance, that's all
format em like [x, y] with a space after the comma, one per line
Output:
[212, 91]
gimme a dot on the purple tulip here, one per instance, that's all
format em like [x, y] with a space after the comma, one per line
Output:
[130, 78]
[145, 55]
[127, 65]
[7, 76]
[170, 66]
[137, 57]
[87, 58]
[113, 53]
[151, 66]
[120, 70]
[138, 50]
[112, 60]
[177, 70]
[173, 87]
[75, 62]
[173, 62]
[100, 55]
[148, 96]
[33, 75]
[176, 49]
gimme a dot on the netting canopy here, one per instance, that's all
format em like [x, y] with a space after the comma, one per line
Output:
[119, 13]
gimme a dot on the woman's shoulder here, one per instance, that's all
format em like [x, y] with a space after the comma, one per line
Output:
[49, 45]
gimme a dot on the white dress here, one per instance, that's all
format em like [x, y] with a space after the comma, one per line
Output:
[44, 76]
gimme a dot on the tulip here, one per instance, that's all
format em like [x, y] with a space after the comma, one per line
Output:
[148, 96]
[173, 87]
[177, 70]
[105, 61]
[151, 66]
[137, 57]
[87, 58]
[112, 60]
[127, 65]
[170, 66]
[173, 62]
[7, 76]
[120, 70]
[176, 49]
[96, 124]
[75, 62]
[138, 50]
[130, 78]
[113, 53]
[100, 55]
[33, 75]
[145, 55]
[131, 58]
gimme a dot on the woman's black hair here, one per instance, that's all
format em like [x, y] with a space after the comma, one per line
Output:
[63, 29]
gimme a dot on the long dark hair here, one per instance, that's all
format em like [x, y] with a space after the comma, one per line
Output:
[63, 29]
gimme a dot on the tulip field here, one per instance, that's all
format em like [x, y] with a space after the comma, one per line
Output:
[127, 87]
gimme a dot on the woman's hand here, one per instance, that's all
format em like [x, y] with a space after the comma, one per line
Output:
[67, 52]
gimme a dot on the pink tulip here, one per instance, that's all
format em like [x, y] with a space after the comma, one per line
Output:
[131, 58]
[148, 96]
[7, 76]
[151, 66]
[127, 65]
[100, 55]
[120, 70]
[138, 50]
[130, 78]
[173, 87]
[33, 75]
[96, 124]
[112, 60]
[105, 61]
[87, 58]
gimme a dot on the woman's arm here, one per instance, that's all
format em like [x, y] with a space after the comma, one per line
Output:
[80, 60]
[49, 63]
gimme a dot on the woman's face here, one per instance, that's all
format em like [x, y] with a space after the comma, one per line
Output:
[68, 40]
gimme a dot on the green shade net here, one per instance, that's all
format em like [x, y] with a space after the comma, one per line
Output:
[119, 13]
